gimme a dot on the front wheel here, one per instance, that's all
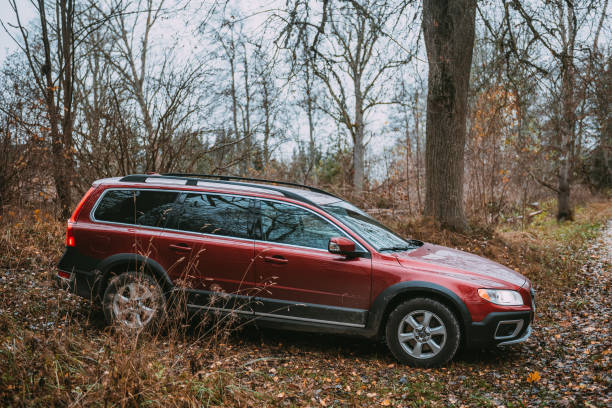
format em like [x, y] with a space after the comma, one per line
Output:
[423, 333]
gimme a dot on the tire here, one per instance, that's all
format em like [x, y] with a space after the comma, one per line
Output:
[134, 301]
[429, 331]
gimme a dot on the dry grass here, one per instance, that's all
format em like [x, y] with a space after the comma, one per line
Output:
[55, 350]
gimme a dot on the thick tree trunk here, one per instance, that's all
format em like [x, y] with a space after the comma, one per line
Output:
[566, 138]
[448, 28]
[568, 120]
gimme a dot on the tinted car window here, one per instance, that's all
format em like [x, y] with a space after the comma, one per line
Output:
[139, 207]
[216, 214]
[289, 224]
[374, 232]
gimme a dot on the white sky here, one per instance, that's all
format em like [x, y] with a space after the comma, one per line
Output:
[27, 13]
[181, 31]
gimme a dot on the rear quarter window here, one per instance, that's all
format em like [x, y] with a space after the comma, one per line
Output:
[137, 207]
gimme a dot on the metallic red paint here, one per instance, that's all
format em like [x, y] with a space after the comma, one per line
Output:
[285, 272]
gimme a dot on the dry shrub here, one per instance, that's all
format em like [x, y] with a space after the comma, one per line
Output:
[56, 350]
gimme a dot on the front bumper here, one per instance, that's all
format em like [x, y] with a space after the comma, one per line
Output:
[500, 328]
[521, 339]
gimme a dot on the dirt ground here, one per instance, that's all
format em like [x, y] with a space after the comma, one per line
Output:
[56, 351]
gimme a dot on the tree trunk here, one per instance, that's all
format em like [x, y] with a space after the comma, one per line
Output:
[448, 28]
[358, 146]
[67, 17]
[60, 152]
[358, 163]
[245, 163]
[418, 150]
[568, 120]
[564, 209]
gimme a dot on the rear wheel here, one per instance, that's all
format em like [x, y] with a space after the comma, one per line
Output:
[134, 301]
[423, 333]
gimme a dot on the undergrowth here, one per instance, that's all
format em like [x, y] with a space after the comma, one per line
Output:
[56, 351]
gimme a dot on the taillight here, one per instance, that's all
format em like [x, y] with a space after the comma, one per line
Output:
[63, 275]
[70, 242]
[77, 210]
[70, 234]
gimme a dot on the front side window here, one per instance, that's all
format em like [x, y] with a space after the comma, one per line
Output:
[216, 214]
[379, 236]
[288, 224]
[139, 207]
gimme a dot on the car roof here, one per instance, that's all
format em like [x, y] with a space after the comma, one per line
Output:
[298, 192]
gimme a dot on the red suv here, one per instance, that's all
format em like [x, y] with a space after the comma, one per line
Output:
[287, 255]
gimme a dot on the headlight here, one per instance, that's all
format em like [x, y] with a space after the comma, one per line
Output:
[501, 296]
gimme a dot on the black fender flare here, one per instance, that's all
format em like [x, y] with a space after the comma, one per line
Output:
[134, 261]
[379, 306]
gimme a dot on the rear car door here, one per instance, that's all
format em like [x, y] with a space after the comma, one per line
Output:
[297, 278]
[208, 249]
[128, 221]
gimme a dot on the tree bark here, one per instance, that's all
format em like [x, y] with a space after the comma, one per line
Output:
[60, 150]
[568, 121]
[358, 145]
[567, 135]
[448, 28]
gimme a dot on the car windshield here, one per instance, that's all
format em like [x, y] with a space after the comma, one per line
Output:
[379, 236]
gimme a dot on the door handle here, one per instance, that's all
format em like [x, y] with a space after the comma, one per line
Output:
[180, 247]
[277, 259]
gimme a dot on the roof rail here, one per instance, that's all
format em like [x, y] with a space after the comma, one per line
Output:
[258, 180]
[192, 180]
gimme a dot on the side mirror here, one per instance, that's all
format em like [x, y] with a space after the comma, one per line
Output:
[341, 246]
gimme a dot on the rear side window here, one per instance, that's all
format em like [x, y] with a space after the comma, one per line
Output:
[138, 207]
[217, 214]
[288, 224]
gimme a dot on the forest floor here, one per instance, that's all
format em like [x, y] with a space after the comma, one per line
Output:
[56, 351]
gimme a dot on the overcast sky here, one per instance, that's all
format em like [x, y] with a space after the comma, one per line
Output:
[27, 13]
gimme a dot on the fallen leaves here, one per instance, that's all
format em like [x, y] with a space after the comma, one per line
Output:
[567, 362]
[534, 377]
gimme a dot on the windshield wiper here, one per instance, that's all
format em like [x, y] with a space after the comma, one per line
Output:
[398, 248]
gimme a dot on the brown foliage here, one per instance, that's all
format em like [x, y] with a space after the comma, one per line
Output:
[55, 349]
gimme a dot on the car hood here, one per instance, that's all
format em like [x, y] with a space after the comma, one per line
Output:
[466, 266]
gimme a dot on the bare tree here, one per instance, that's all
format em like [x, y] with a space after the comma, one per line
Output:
[152, 79]
[353, 53]
[268, 105]
[601, 167]
[555, 28]
[20, 143]
[52, 71]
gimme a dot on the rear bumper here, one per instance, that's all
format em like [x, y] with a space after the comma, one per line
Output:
[79, 281]
[500, 328]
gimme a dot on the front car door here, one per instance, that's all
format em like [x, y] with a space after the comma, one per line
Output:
[297, 278]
